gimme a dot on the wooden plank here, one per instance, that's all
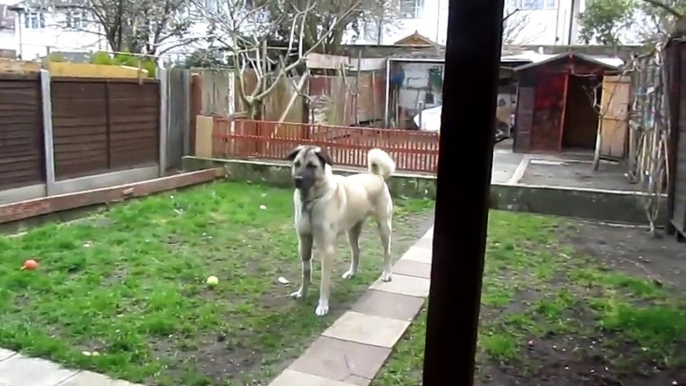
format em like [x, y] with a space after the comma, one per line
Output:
[89, 70]
[524, 119]
[71, 79]
[45, 205]
[329, 62]
[19, 67]
[368, 64]
[203, 136]
[615, 101]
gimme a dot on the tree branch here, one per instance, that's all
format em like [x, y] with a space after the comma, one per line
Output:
[665, 8]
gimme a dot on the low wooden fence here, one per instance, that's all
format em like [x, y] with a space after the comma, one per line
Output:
[413, 151]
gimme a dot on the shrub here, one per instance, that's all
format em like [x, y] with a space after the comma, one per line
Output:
[125, 59]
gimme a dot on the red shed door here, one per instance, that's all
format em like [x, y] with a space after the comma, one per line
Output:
[548, 112]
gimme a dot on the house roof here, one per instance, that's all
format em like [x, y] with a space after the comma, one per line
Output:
[610, 63]
[25, 5]
[415, 39]
[6, 17]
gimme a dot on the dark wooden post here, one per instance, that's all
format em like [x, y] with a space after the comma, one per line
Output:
[674, 66]
[471, 74]
[195, 108]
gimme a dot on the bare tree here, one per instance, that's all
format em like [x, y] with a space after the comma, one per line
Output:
[657, 20]
[246, 31]
[516, 28]
[136, 26]
[380, 15]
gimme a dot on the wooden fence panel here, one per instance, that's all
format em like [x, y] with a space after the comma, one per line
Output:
[217, 97]
[22, 151]
[134, 122]
[79, 127]
[102, 125]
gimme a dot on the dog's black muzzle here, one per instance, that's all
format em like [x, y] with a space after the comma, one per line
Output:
[298, 181]
[304, 182]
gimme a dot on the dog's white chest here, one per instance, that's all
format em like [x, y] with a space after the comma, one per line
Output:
[303, 222]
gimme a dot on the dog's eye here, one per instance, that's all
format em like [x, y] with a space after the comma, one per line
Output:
[296, 164]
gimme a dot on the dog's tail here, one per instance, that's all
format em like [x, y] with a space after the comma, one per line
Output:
[380, 163]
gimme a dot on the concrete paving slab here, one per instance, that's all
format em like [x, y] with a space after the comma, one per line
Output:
[23, 371]
[425, 242]
[412, 268]
[6, 354]
[358, 381]
[367, 329]
[339, 360]
[422, 255]
[388, 305]
[296, 378]
[404, 285]
[87, 378]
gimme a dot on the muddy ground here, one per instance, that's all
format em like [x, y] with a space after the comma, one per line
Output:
[588, 354]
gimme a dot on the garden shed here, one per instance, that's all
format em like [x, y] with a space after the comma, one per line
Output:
[557, 102]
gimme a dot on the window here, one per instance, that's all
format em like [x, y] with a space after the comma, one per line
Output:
[211, 5]
[34, 20]
[411, 9]
[76, 19]
[532, 5]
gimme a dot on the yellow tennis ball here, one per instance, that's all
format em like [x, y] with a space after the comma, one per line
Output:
[212, 280]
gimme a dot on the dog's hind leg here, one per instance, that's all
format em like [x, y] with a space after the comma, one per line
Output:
[305, 253]
[354, 240]
[385, 232]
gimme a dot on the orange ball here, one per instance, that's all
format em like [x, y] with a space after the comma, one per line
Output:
[30, 264]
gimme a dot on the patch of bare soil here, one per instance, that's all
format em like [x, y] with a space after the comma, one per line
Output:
[588, 354]
[633, 251]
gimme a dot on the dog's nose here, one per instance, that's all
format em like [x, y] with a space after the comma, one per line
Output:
[298, 181]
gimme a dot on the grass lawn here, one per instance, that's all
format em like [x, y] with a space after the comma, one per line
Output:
[124, 292]
[553, 315]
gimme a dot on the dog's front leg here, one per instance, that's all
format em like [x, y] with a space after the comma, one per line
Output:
[325, 284]
[305, 253]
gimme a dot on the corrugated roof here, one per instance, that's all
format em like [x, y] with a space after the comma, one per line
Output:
[537, 59]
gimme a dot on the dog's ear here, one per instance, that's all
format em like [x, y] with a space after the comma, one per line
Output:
[294, 153]
[323, 156]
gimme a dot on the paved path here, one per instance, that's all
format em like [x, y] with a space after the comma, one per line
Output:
[349, 353]
[18, 370]
[352, 351]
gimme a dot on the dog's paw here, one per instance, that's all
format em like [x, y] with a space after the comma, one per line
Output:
[386, 277]
[297, 294]
[322, 309]
[348, 274]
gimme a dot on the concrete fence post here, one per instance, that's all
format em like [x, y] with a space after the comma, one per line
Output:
[164, 122]
[46, 99]
[187, 113]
